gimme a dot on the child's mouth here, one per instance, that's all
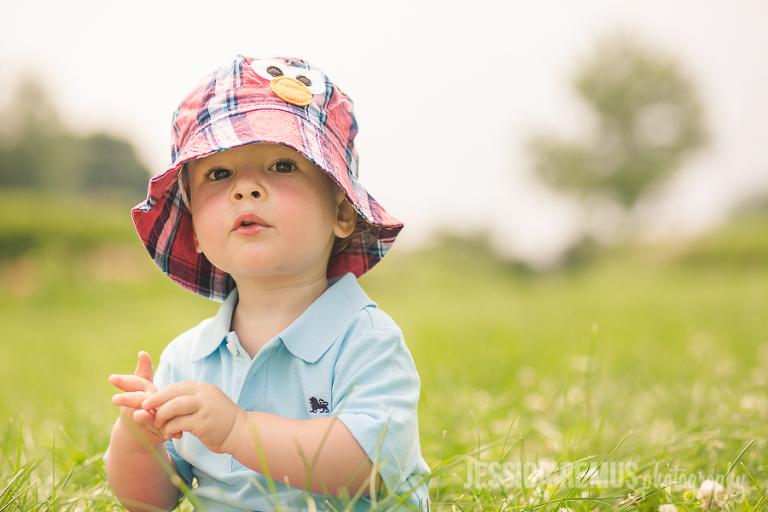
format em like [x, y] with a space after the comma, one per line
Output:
[249, 224]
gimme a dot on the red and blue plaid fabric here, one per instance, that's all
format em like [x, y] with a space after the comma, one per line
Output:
[235, 106]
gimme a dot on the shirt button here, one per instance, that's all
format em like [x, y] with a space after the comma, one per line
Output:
[231, 346]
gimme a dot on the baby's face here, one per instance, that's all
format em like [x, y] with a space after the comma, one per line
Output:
[264, 211]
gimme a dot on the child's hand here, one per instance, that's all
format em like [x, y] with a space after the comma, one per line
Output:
[137, 388]
[199, 408]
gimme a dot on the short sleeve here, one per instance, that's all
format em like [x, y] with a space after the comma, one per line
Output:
[161, 379]
[376, 394]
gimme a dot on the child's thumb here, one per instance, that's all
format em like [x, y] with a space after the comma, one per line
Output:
[144, 368]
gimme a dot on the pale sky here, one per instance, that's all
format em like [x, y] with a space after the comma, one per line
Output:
[445, 92]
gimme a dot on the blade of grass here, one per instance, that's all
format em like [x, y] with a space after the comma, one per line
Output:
[738, 457]
[440, 476]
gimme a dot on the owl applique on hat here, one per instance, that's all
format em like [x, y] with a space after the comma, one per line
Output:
[294, 85]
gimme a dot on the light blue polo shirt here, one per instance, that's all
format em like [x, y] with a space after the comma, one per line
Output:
[342, 357]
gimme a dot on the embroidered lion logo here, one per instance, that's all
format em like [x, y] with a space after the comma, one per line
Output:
[318, 405]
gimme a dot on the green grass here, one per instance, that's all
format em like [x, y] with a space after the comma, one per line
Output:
[650, 361]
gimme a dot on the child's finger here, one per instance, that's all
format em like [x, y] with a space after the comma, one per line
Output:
[132, 400]
[170, 392]
[143, 416]
[144, 367]
[176, 427]
[130, 383]
[179, 406]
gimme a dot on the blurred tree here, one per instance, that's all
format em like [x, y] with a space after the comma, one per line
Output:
[29, 125]
[31, 111]
[36, 151]
[649, 119]
[111, 163]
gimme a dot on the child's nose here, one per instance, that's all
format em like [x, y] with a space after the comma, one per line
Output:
[254, 193]
[246, 187]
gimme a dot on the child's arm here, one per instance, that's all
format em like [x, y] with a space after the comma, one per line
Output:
[342, 466]
[133, 470]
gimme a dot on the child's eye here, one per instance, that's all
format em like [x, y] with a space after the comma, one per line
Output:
[283, 166]
[218, 174]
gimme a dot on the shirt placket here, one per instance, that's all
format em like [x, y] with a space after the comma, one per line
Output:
[245, 369]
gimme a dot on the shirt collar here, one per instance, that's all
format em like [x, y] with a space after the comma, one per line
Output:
[214, 332]
[313, 333]
[310, 335]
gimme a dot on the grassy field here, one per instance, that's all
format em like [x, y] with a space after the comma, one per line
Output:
[625, 382]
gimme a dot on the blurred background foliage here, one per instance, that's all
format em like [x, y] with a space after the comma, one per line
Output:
[38, 151]
[647, 119]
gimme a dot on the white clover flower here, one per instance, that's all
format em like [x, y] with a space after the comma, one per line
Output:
[536, 475]
[564, 509]
[632, 498]
[545, 472]
[711, 495]
[667, 507]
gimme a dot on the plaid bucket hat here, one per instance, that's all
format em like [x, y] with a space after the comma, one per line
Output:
[281, 101]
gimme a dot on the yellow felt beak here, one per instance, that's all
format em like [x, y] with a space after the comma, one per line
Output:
[291, 90]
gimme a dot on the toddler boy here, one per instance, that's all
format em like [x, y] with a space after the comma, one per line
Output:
[300, 392]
